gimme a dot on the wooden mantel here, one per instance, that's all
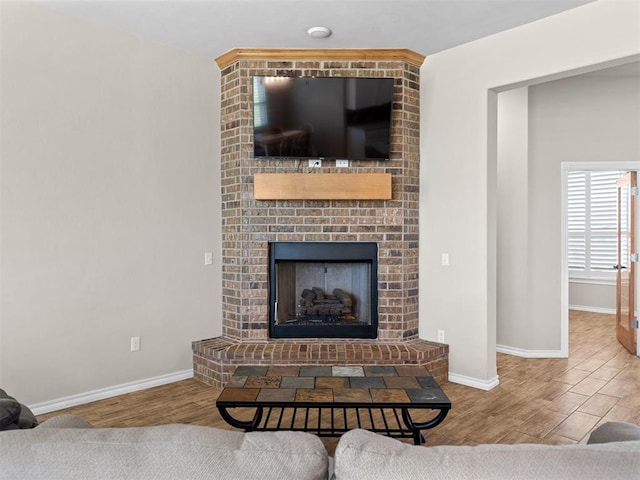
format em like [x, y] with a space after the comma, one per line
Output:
[322, 186]
[285, 54]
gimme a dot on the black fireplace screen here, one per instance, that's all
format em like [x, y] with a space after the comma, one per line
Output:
[323, 290]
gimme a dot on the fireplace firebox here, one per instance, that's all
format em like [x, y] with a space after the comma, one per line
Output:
[323, 289]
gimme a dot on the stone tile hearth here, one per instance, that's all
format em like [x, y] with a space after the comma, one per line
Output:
[216, 359]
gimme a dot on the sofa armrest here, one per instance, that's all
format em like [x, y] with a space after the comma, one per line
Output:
[614, 432]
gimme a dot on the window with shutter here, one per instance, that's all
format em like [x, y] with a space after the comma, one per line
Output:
[592, 219]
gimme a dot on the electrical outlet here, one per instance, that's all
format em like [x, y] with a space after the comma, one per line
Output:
[208, 258]
[315, 163]
[440, 336]
[342, 163]
[135, 344]
[445, 259]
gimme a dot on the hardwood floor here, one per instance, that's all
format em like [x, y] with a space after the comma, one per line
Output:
[538, 400]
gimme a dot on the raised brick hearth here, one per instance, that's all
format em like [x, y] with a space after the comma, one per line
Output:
[248, 225]
[216, 359]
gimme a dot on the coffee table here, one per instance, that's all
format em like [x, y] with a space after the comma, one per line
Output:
[330, 400]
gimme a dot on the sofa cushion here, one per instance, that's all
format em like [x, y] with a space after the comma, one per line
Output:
[614, 432]
[164, 452]
[364, 455]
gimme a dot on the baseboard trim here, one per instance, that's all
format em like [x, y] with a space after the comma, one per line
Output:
[519, 352]
[474, 382]
[108, 392]
[586, 308]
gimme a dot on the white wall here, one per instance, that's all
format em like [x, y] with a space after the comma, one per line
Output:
[459, 162]
[109, 198]
[513, 217]
[592, 297]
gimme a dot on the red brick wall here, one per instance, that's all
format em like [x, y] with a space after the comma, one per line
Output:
[248, 225]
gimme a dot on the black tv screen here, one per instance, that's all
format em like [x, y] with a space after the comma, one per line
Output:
[341, 118]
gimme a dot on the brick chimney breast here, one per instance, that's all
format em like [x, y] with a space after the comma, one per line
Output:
[248, 225]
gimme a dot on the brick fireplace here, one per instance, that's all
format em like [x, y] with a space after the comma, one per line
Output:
[249, 226]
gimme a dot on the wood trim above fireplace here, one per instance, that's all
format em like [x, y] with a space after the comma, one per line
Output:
[290, 54]
[322, 186]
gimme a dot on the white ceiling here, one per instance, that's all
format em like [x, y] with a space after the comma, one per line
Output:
[213, 27]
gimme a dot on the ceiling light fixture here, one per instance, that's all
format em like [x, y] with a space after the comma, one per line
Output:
[319, 32]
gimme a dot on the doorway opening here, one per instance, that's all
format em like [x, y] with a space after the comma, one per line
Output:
[595, 263]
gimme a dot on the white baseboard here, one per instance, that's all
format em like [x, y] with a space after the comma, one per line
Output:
[586, 308]
[102, 393]
[519, 352]
[474, 382]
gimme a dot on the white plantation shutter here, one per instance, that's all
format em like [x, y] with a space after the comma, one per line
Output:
[592, 223]
[604, 200]
[577, 191]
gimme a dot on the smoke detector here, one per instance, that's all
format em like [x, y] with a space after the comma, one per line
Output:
[319, 32]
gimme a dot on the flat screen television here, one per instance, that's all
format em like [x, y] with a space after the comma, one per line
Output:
[322, 117]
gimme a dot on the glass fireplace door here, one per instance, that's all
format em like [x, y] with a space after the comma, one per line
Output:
[323, 296]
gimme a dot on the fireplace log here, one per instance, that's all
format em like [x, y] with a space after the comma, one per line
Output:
[319, 293]
[308, 296]
[315, 301]
[344, 297]
[327, 301]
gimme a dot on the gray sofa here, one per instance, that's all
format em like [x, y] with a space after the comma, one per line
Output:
[64, 447]
[362, 454]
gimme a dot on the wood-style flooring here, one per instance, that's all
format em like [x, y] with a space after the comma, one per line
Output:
[552, 401]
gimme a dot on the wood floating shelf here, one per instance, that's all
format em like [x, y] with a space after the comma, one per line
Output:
[322, 186]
